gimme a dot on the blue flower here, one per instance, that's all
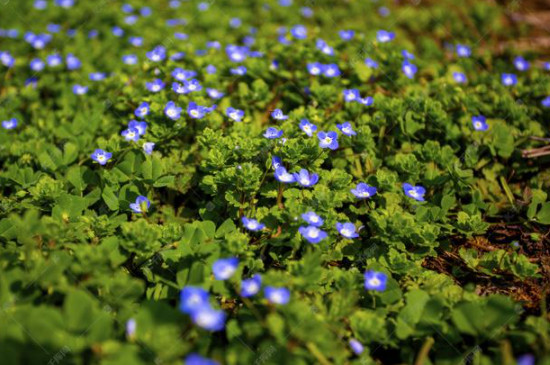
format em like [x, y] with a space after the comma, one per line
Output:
[346, 35]
[239, 71]
[384, 36]
[79, 89]
[148, 147]
[546, 66]
[276, 162]
[9, 124]
[383, 11]
[177, 56]
[130, 134]
[252, 224]
[196, 359]
[306, 12]
[136, 41]
[273, 133]
[299, 32]
[141, 205]
[331, 70]
[313, 219]
[214, 94]
[312, 234]
[328, 140]
[479, 123]
[155, 85]
[64, 3]
[208, 318]
[250, 287]
[305, 178]
[324, 47]
[157, 54]
[407, 55]
[101, 156]
[459, 77]
[142, 110]
[521, 64]
[375, 280]
[131, 326]
[277, 295]
[193, 298]
[223, 269]
[73, 63]
[347, 230]
[37, 65]
[356, 346]
[181, 75]
[527, 359]
[130, 59]
[315, 68]
[415, 192]
[409, 69]
[509, 79]
[178, 88]
[346, 129]
[172, 111]
[307, 127]
[54, 60]
[546, 102]
[371, 63]
[363, 191]
[40, 4]
[145, 11]
[236, 114]
[196, 111]
[463, 51]
[211, 69]
[236, 53]
[351, 95]
[368, 101]
[277, 114]
[192, 85]
[282, 175]
[117, 31]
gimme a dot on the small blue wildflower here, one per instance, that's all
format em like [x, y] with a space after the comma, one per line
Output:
[130, 134]
[273, 133]
[64, 3]
[192, 85]
[409, 69]
[250, 287]
[73, 63]
[328, 140]
[117, 31]
[509, 79]
[346, 35]
[521, 64]
[282, 175]
[79, 89]
[148, 147]
[527, 359]
[285, 2]
[130, 59]
[145, 11]
[463, 51]
[208, 318]
[131, 326]
[315, 68]
[307, 127]
[157, 54]
[356, 346]
[127, 8]
[196, 111]
[324, 47]
[546, 66]
[276, 162]
[53, 28]
[214, 94]
[211, 69]
[306, 12]
[172, 111]
[40, 4]
[459, 77]
[236, 53]
[415, 192]
[37, 65]
[368, 101]
[331, 70]
[239, 71]
[346, 129]
[384, 36]
[351, 95]
[203, 6]
[407, 55]
[223, 269]
[371, 63]
[299, 32]
[235, 114]
[93, 34]
[192, 298]
[546, 102]
[277, 114]
[178, 88]
[141, 205]
[213, 44]
[363, 191]
[9, 124]
[101, 156]
[347, 230]
[383, 11]
[155, 86]
[54, 60]
[479, 123]
[375, 280]
[97, 76]
[277, 295]
[305, 178]
[140, 126]
[313, 219]
[142, 110]
[136, 41]
[193, 358]
[177, 56]
[181, 75]
[252, 224]
[312, 234]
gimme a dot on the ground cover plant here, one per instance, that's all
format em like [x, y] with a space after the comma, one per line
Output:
[273, 182]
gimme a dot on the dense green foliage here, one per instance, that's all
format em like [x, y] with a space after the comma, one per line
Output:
[76, 263]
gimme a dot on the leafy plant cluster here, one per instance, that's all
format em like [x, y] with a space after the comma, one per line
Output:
[179, 182]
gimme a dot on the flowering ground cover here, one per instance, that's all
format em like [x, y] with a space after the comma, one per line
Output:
[273, 182]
